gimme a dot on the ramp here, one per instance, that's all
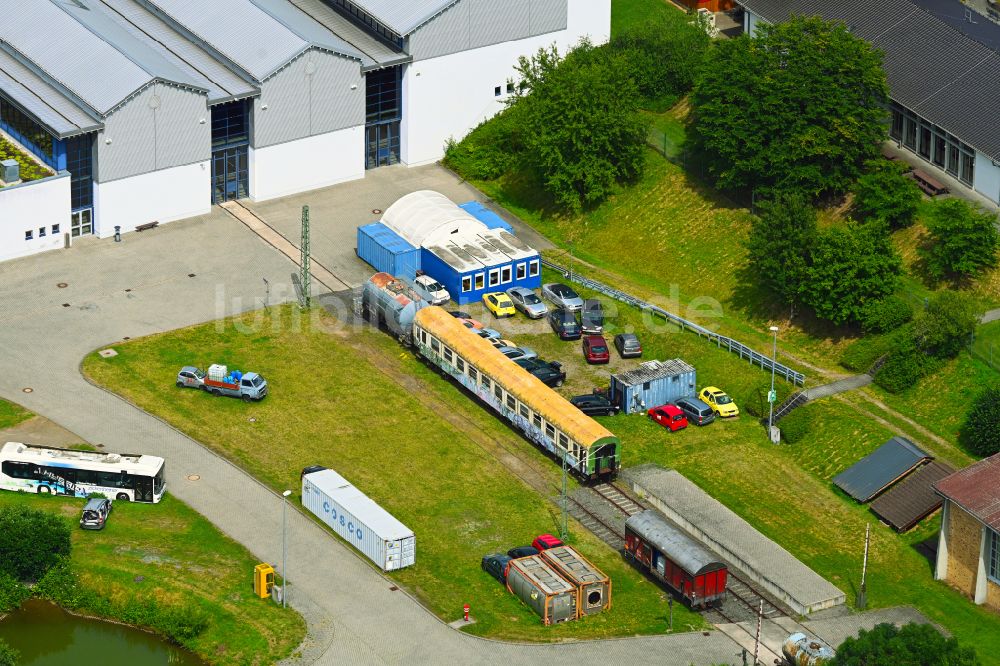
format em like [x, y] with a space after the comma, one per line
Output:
[759, 559]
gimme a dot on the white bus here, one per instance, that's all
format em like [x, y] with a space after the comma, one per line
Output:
[44, 470]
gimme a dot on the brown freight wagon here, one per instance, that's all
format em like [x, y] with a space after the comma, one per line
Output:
[539, 586]
[593, 587]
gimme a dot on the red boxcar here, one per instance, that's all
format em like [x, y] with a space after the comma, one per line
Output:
[673, 557]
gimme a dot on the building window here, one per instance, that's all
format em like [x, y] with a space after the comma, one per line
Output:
[55, 229]
[522, 269]
[29, 133]
[550, 431]
[28, 235]
[460, 364]
[230, 124]
[448, 355]
[466, 283]
[363, 18]
[896, 129]
[494, 277]
[41, 232]
[473, 375]
[498, 392]
[435, 346]
[993, 555]
[510, 87]
[967, 174]
[479, 281]
[910, 133]
[486, 382]
[524, 411]
[511, 403]
[533, 268]
[496, 91]
[80, 164]
[536, 421]
[505, 274]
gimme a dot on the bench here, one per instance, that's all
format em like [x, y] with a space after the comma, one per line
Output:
[928, 184]
[148, 225]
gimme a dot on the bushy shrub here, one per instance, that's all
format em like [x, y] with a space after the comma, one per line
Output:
[883, 193]
[12, 592]
[31, 542]
[488, 151]
[861, 354]
[962, 240]
[947, 324]
[796, 425]
[980, 433]
[885, 315]
[904, 366]
[8, 655]
[913, 645]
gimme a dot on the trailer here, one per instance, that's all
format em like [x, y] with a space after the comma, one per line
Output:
[358, 519]
[539, 586]
[392, 302]
[593, 587]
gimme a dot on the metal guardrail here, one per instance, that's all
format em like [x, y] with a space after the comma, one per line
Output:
[721, 341]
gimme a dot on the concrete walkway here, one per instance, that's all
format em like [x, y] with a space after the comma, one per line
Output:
[840, 386]
[991, 315]
[173, 277]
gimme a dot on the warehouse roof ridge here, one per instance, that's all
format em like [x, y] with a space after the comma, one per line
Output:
[404, 17]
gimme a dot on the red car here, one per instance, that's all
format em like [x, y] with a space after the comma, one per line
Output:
[595, 349]
[669, 416]
[546, 541]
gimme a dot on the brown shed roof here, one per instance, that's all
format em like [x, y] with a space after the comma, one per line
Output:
[913, 498]
[977, 490]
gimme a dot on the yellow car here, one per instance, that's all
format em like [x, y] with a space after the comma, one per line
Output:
[499, 304]
[720, 403]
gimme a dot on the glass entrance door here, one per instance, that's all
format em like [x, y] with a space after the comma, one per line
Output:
[230, 174]
[382, 145]
[81, 222]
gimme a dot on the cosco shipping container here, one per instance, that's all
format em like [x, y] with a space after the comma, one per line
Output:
[358, 519]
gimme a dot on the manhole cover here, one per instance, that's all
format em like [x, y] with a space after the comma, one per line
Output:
[139, 579]
[100, 446]
[27, 389]
[65, 305]
[376, 211]
[128, 290]
[107, 353]
[63, 285]
[190, 274]
[194, 477]
[126, 338]
[393, 588]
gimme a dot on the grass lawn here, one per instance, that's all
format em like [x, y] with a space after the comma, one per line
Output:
[11, 414]
[168, 552]
[627, 13]
[412, 441]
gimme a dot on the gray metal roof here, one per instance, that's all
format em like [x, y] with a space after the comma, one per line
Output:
[933, 69]
[672, 542]
[49, 106]
[880, 469]
[653, 370]
[404, 17]
[195, 61]
[260, 36]
[376, 52]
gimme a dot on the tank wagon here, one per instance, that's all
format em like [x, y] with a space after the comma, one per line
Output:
[674, 558]
[593, 587]
[539, 586]
[392, 302]
[800, 650]
[546, 418]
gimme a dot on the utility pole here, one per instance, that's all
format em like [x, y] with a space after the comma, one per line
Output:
[862, 599]
[771, 396]
[305, 277]
[284, 549]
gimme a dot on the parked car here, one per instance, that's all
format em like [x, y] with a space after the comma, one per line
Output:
[95, 514]
[499, 304]
[431, 290]
[592, 316]
[496, 566]
[469, 322]
[595, 349]
[551, 373]
[459, 314]
[528, 302]
[488, 333]
[720, 403]
[220, 380]
[546, 541]
[562, 296]
[594, 404]
[696, 411]
[522, 551]
[514, 353]
[563, 322]
[628, 345]
[669, 416]
[499, 343]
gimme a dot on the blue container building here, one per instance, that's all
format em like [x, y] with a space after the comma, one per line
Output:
[387, 251]
[486, 216]
[652, 384]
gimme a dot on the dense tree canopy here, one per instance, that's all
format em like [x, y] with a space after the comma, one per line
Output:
[800, 107]
[980, 433]
[31, 542]
[883, 193]
[962, 240]
[913, 645]
[780, 241]
[947, 324]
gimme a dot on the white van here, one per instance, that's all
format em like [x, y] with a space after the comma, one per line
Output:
[431, 290]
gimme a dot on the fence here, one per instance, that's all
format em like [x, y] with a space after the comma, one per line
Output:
[986, 351]
[721, 341]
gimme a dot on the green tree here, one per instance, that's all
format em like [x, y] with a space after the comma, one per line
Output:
[980, 433]
[885, 315]
[663, 55]
[947, 324]
[780, 240]
[961, 241]
[31, 541]
[913, 645]
[581, 124]
[8, 655]
[800, 107]
[883, 193]
[850, 265]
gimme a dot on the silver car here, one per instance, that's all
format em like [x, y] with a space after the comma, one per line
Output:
[527, 301]
[562, 296]
[514, 353]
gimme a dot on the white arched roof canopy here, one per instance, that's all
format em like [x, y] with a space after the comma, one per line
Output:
[426, 218]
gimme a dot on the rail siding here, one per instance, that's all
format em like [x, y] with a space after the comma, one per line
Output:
[721, 341]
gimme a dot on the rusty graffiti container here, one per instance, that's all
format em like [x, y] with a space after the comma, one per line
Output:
[593, 586]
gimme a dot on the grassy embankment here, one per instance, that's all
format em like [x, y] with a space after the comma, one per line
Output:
[12, 415]
[411, 440]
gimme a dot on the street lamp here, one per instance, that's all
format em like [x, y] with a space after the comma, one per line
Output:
[284, 548]
[771, 396]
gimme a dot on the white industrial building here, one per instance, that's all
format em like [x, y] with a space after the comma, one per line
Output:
[153, 110]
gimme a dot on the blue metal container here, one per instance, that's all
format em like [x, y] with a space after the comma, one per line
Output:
[486, 216]
[386, 251]
[652, 384]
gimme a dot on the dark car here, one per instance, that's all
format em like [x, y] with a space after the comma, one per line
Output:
[496, 566]
[563, 322]
[592, 317]
[594, 404]
[522, 551]
[628, 345]
[459, 314]
[697, 411]
[595, 349]
[550, 372]
[95, 514]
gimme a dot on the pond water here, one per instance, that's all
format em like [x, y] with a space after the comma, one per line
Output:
[46, 635]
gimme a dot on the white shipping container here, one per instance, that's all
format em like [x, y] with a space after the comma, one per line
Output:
[359, 520]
